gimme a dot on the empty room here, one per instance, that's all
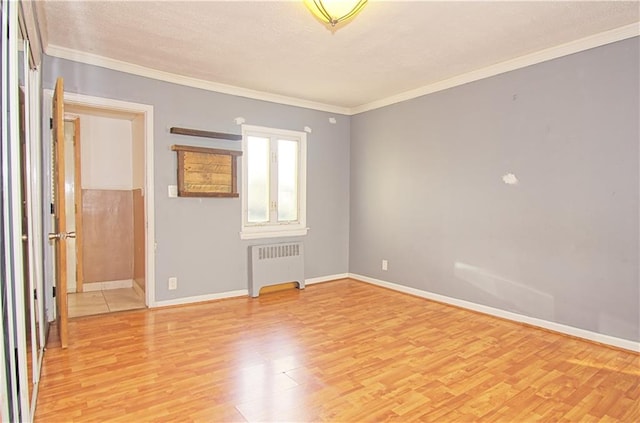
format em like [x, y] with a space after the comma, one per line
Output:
[316, 210]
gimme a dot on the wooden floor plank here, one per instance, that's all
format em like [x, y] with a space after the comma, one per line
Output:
[340, 351]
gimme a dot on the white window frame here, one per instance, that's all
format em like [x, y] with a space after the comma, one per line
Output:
[275, 229]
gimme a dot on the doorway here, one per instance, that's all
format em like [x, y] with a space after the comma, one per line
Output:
[104, 180]
[110, 146]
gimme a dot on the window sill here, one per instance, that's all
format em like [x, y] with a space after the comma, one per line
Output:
[272, 233]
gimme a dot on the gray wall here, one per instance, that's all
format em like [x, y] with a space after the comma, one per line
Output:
[562, 245]
[198, 238]
[420, 184]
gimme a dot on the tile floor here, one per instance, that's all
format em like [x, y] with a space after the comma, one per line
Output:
[99, 302]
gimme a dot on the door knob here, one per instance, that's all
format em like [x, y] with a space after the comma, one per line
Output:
[62, 235]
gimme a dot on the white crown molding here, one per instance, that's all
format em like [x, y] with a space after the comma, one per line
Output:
[118, 65]
[496, 312]
[597, 40]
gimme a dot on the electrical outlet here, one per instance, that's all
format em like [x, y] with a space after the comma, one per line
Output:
[385, 265]
[173, 283]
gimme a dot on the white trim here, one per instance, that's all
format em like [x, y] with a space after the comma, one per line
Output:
[545, 324]
[14, 248]
[147, 111]
[29, 23]
[592, 41]
[9, 391]
[202, 298]
[103, 102]
[271, 232]
[35, 239]
[238, 293]
[35, 173]
[561, 50]
[106, 62]
[272, 229]
[36, 387]
[328, 278]
[107, 285]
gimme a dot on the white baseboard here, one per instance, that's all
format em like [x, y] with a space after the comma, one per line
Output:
[202, 298]
[238, 293]
[556, 327]
[102, 286]
[545, 324]
[329, 278]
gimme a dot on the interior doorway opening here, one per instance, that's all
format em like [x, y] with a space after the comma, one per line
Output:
[104, 180]
[103, 128]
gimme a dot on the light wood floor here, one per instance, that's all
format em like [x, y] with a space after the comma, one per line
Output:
[342, 351]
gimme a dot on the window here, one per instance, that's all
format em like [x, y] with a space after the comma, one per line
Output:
[273, 182]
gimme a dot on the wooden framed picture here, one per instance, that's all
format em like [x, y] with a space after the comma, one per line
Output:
[206, 172]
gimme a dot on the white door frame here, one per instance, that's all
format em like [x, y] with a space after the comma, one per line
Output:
[12, 219]
[147, 111]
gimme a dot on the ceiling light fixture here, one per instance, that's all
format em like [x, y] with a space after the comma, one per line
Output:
[335, 11]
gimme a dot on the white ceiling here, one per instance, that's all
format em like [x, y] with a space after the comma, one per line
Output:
[278, 47]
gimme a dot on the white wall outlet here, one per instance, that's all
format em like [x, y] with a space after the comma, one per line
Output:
[385, 265]
[173, 283]
[173, 191]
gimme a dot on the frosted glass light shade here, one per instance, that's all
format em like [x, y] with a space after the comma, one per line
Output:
[334, 11]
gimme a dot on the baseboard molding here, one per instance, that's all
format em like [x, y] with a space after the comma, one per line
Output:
[545, 324]
[237, 293]
[106, 285]
[201, 298]
[328, 278]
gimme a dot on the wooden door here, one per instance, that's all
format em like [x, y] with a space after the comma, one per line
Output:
[77, 192]
[60, 223]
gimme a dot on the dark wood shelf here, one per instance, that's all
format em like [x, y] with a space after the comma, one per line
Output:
[205, 150]
[205, 134]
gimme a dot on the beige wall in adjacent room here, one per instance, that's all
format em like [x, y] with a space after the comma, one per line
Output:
[113, 204]
[108, 235]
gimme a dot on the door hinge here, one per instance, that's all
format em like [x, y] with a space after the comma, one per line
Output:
[53, 209]
[50, 123]
[35, 294]
[54, 292]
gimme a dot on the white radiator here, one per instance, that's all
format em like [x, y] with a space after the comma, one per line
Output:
[276, 263]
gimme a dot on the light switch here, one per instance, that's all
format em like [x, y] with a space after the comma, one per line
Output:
[173, 191]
